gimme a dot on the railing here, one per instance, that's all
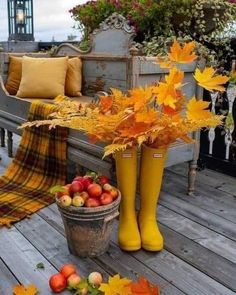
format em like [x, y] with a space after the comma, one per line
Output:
[218, 145]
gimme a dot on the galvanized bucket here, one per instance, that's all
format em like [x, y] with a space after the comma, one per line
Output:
[88, 230]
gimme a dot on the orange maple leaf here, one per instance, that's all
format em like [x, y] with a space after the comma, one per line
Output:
[182, 55]
[197, 110]
[144, 287]
[175, 77]
[139, 97]
[148, 117]
[166, 94]
[22, 290]
[208, 80]
[106, 103]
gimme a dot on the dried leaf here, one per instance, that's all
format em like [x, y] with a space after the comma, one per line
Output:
[116, 286]
[183, 54]
[106, 103]
[209, 81]
[22, 290]
[144, 287]
[196, 110]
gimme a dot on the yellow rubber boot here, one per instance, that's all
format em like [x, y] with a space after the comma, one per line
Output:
[152, 166]
[126, 171]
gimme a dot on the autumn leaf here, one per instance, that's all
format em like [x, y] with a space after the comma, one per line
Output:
[175, 77]
[116, 286]
[183, 54]
[22, 290]
[196, 110]
[139, 97]
[106, 103]
[165, 94]
[144, 287]
[148, 117]
[209, 81]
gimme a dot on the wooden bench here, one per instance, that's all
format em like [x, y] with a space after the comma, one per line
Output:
[111, 62]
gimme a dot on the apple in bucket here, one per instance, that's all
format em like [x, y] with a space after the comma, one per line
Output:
[86, 191]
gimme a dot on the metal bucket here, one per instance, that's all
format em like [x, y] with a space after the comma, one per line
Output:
[88, 230]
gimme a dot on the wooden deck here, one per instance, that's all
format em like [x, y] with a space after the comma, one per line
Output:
[199, 231]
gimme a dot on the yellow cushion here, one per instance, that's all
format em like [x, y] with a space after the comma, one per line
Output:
[42, 77]
[14, 75]
[73, 77]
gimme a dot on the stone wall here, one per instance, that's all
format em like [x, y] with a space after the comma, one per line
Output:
[19, 46]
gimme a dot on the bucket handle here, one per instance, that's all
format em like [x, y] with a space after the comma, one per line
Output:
[109, 218]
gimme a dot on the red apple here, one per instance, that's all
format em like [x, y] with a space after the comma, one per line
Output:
[102, 179]
[84, 195]
[67, 270]
[76, 187]
[57, 283]
[114, 193]
[91, 202]
[106, 199]
[78, 178]
[94, 190]
[87, 180]
[73, 281]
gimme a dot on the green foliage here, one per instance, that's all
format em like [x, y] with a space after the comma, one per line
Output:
[158, 23]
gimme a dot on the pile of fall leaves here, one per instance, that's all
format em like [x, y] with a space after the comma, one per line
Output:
[115, 286]
[156, 115]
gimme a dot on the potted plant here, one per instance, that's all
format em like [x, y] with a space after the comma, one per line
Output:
[203, 21]
[151, 117]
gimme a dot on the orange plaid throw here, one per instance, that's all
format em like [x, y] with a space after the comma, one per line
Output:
[40, 163]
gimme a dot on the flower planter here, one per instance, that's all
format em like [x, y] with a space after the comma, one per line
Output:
[209, 14]
[88, 230]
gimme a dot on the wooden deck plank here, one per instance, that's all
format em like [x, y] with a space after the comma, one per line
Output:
[208, 177]
[215, 266]
[224, 277]
[50, 243]
[124, 264]
[7, 280]
[194, 231]
[180, 273]
[203, 217]
[21, 257]
[208, 198]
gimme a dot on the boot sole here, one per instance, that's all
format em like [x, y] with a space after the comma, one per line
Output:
[131, 248]
[151, 248]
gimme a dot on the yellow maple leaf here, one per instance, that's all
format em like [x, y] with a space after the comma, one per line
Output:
[196, 110]
[209, 81]
[25, 290]
[175, 77]
[183, 54]
[116, 286]
[165, 94]
[139, 97]
[149, 116]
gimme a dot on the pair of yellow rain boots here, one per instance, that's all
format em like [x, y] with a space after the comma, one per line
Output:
[143, 231]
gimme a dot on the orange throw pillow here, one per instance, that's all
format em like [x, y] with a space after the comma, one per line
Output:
[14, 75]
[74, 77]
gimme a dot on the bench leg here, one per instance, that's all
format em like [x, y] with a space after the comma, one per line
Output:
[192, 177]
[9, 143]
[2, 137]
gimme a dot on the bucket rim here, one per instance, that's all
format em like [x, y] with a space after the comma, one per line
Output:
[89, 210]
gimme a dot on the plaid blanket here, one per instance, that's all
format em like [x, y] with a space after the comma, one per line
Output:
[40, 163]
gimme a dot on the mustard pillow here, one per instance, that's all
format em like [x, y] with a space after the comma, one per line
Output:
[14, 75]
[73, 77]
[42, 77]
